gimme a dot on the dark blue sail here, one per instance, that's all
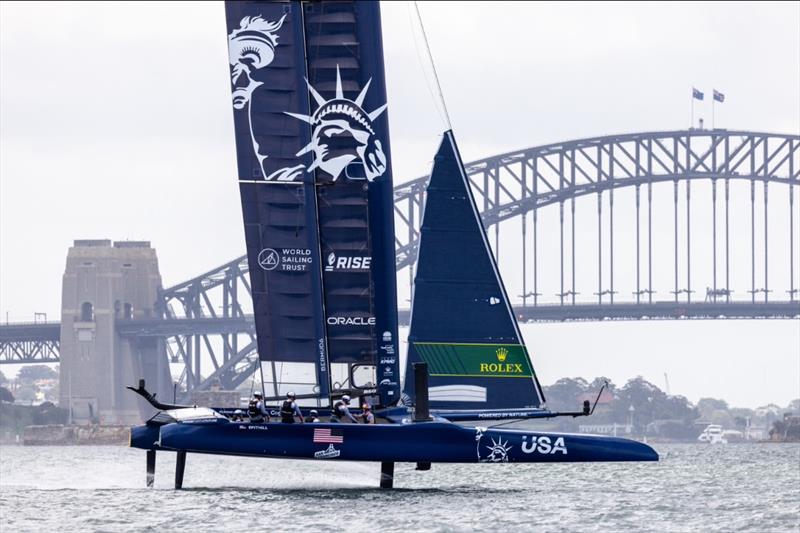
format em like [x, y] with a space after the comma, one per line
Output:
[310, 109]
[267, 61]
[462, 324]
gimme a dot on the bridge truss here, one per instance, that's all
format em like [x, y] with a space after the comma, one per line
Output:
[199, 331]
[33, 342]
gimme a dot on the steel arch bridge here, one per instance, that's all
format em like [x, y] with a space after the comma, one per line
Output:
[514, 184]
[204, 319]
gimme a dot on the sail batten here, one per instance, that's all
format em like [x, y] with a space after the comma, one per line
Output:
[462, 324]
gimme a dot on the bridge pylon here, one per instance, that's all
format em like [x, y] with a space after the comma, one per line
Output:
[105, 285]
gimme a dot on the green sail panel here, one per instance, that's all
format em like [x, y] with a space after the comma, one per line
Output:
[475, 360]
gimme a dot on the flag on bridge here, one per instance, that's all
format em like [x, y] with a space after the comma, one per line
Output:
[697, 95]
[718, 96]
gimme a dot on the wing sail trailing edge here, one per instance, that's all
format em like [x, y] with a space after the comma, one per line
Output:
[462, 324]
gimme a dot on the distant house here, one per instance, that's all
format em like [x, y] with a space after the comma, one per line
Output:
[605, 398]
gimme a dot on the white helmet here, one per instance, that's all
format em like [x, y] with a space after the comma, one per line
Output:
[290, 394]
[346, 398]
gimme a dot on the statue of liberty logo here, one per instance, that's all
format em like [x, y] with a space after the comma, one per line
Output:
[343, 137]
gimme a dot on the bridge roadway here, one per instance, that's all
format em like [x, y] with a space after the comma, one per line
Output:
[540, 313]
[30, 342]
[38, 343]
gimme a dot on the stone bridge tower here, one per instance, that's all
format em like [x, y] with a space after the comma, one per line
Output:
[104, 284]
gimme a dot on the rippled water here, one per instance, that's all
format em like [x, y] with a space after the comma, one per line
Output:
[693, 488]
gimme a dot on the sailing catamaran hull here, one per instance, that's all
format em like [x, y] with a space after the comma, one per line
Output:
[431, 442]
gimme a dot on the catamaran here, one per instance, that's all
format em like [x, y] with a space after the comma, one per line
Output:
[315, 179]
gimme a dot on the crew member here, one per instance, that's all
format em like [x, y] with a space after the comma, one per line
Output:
[313, 416]
[256, 410]
[366, 415]
[289, 410]
[341, 411]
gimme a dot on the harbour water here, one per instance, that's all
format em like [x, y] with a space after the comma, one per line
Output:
[736, 487]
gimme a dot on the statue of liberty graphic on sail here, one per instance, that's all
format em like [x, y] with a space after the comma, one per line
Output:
[343, 137]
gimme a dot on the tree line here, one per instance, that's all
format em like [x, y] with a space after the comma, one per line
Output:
[653, 412]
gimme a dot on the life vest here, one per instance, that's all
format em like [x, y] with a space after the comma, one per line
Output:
[253, 411]
[287, 412]
[368, 417]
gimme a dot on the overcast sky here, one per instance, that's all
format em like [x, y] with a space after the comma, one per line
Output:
[115, 122]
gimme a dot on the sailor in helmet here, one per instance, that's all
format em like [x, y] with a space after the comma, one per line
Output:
[313, 416]
[341, 411]
[256, 409]
[366, 415]
[289, 410]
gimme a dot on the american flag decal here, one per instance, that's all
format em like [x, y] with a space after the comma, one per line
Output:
[328, 436]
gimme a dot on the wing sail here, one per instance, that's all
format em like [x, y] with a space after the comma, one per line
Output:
[312, 140]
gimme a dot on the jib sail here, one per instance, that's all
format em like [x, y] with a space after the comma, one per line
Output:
[462, 324]
[313, 151]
